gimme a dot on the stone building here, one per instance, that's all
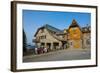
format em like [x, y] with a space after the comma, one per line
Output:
[49, 37]
[86, 37]
[75, 37]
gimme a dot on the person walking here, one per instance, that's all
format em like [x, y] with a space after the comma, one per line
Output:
[36, 51]
[45, 50]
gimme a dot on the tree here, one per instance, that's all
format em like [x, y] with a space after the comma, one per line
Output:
[24, 42]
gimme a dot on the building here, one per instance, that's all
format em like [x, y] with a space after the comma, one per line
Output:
[49, 37]
[86, 37]
[74, 37]
[78, 37]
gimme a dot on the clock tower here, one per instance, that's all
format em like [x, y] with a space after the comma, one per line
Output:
[75, 35]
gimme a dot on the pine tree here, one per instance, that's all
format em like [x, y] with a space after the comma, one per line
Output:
[24, 42]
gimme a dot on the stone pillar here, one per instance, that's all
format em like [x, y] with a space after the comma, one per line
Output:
[45, 45]
[38, 45]
[60, 45]
[51, 47]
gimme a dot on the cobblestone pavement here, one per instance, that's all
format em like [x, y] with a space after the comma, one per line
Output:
[75, 54]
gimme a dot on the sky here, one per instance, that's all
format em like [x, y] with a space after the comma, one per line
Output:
[33, 19]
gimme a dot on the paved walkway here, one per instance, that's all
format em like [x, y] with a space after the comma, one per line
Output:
[66, 54]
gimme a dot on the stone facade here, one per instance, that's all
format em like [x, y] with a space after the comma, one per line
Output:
[48, 38]
[74, 37]
[86, 37]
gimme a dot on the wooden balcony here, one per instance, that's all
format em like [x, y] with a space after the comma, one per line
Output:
[36, 40]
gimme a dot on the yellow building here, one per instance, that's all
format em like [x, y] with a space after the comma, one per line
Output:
[78, 37]
[74, 35]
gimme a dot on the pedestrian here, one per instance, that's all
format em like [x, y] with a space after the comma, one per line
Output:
[36, 51]
[45, 50]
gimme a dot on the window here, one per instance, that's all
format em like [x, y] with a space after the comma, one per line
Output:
[71, 43]
[43, 37]
[42, 30]
[88, 41]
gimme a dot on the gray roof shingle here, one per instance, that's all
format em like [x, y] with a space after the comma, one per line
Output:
[50, 28]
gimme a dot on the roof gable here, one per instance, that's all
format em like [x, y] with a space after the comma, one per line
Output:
[50, 28]
[86, 29]
[74, 24]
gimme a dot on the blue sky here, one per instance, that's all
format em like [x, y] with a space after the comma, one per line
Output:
[32, 20]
